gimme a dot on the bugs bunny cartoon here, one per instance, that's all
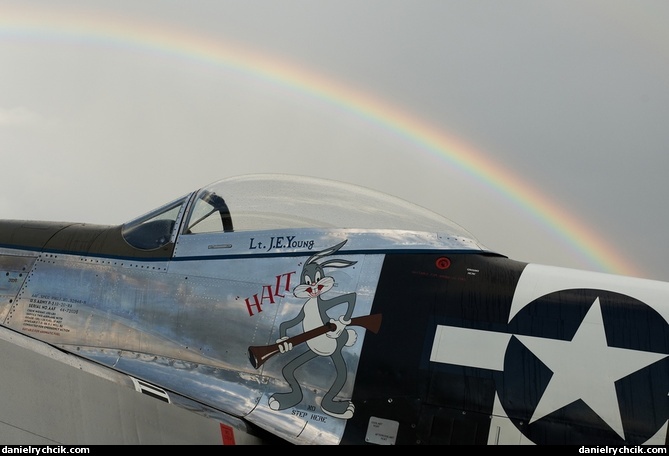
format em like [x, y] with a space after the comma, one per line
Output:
[313, 284]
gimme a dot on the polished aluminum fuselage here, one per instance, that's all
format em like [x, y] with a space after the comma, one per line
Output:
[426, 335]
[185, 322]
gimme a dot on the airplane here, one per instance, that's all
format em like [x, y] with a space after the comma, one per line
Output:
[283, 309]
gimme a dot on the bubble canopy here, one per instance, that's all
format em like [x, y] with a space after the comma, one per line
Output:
[259, 202]
[269, 201]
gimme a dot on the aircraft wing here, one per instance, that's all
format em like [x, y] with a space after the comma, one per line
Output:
[53, 397]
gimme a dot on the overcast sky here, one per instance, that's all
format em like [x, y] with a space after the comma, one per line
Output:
[541, 127]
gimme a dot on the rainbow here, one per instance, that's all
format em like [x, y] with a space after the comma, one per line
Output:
[108, 29]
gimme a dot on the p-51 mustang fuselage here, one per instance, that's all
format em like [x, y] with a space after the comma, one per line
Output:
[324, 313]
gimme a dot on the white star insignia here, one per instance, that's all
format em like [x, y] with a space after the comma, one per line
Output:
[586, 368]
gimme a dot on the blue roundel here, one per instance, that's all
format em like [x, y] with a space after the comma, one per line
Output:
[586, 366]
